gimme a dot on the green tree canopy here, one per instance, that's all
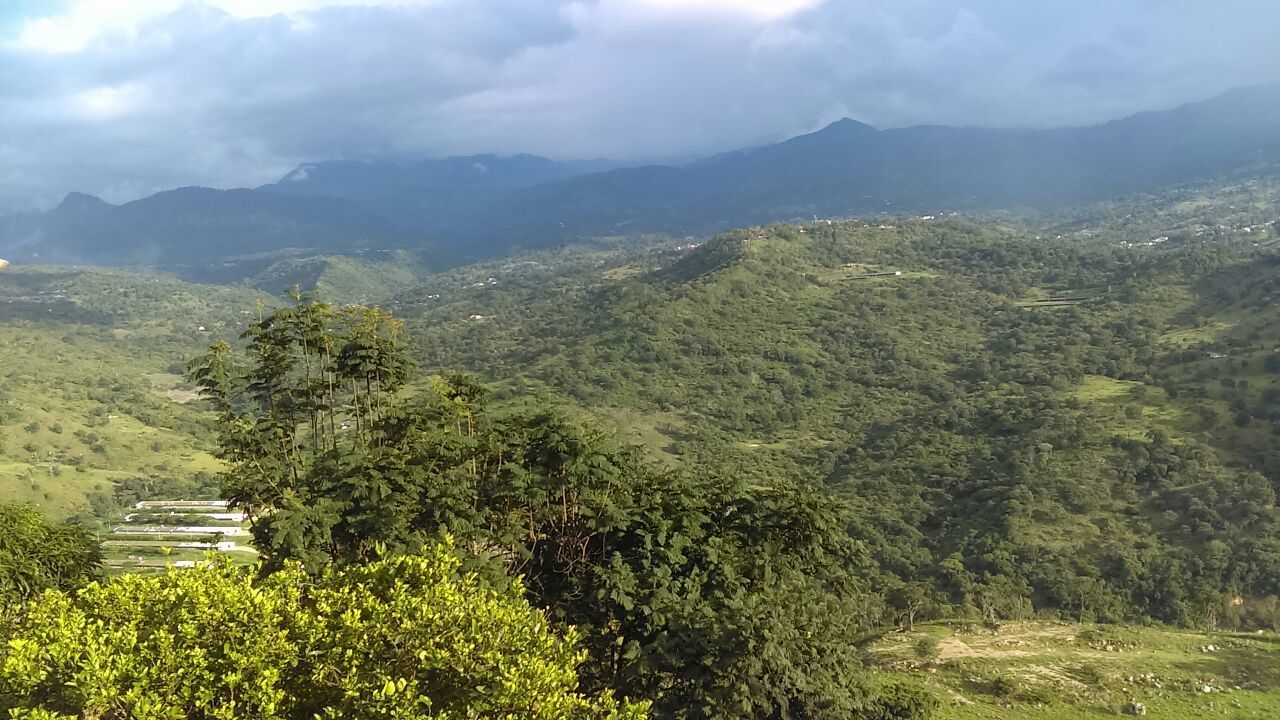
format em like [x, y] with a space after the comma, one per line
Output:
[710, 595]
[36, 554]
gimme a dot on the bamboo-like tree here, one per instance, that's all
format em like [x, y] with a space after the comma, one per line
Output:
[296, 409]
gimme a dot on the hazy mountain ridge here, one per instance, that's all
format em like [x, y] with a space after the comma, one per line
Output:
[478, 206]
[192, 225]
[849, 167]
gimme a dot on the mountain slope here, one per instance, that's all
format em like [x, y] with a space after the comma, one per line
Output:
[426, 181]
[191, 226]
[1016, 419]
[92, 397]
[849, 168]
[467, 208]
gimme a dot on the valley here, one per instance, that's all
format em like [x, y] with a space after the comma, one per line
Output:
[1033, 422]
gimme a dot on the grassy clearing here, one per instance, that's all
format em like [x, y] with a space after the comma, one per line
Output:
[657, 433]
[1132, 409]
[862, 272]
[1058, 671]
[1186, 337]
[1039, 297]
[57, 495]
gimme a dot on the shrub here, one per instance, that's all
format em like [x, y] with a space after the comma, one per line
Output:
[407, 638]
[926, 648]
[36, 554]
[901, 701]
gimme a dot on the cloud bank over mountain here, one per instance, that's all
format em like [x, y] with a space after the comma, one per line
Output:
[122, 99]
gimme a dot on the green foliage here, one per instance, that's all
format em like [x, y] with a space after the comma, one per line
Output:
[36, 555]
[403, 638]
[901, 701]
[298, 415]
[1006, 417]
[710, 595]
[1034, 419]
[926, 648]
[87, 357]
[345, 279]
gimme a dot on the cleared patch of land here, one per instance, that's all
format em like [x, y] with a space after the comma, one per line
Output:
[1061, 671]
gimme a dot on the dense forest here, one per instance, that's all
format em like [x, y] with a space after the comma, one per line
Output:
[655, 476]
[1067, 443]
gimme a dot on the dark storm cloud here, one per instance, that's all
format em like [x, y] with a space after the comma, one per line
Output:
[124, 102]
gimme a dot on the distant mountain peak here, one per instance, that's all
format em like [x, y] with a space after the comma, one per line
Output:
[78, 201]
[849, 125]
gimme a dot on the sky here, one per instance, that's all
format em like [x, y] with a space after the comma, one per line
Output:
[122, 98]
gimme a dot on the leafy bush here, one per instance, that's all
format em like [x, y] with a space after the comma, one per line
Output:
[36, 554]
[403, 638]
[1003, 687]
[926, 648]
[1090, 674]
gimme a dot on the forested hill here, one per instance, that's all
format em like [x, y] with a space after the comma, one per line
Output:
[1024, 423]
[464, 209]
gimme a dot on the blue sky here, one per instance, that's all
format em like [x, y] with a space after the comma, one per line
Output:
[13, 12]
[121, 98]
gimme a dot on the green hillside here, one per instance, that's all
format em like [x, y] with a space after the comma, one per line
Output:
[1069, 417]
[91, 391]
[1027, 422]
[369, 279]
[1053, 429]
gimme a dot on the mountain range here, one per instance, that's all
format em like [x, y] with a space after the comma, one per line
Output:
[464, 208]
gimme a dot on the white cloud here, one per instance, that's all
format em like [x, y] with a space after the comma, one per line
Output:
[109, 102]
[759, 11]
[87, 21]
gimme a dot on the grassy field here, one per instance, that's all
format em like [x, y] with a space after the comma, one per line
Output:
[87, 419]
[1061, 671]
[1131, 409]
[90, 386]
